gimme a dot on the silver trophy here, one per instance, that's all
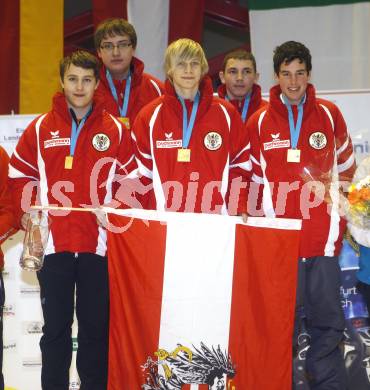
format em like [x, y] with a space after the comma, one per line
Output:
[35, 241]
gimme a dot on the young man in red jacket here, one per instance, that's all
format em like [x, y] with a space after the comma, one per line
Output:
[124, 87]
[7, 228]
[189, 144]
[72, 154]
[297, 136]
[239, 86]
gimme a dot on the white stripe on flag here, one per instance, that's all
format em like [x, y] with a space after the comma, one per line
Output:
[191, 272]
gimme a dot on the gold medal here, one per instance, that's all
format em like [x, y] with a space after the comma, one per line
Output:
[294, 155]
[183, 155]
[125, 121]
[68, 162]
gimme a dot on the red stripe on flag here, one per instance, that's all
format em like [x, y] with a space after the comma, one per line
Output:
[136, 268]
[262, 315]
[9, 67]
[104, 9]
[186, 19]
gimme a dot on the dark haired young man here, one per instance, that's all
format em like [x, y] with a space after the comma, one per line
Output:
[72, 153]
[239, 79]
[296, 136]
[124, 87]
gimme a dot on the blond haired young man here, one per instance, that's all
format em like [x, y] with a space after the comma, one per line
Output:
[188, 138]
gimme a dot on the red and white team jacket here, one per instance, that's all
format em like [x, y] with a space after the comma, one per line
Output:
[219, 154]
[326, 157]
[7, 223]
[144, 89]
[103, 151]
[255, 103]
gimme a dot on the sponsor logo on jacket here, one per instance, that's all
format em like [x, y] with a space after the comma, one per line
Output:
[54, 142]
[276, 143]
[169, 142]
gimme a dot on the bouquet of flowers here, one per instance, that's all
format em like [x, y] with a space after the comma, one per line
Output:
[359, 203]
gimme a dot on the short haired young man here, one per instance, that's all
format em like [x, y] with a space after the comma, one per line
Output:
[299, 134]
[124, 87]
[189, 135]
[239, 79]
[7, 228]
[72, 153]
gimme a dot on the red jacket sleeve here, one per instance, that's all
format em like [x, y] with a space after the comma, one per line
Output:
[23, 170]
[7, 221]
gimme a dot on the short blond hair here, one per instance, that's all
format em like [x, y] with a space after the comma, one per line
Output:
[184, 49]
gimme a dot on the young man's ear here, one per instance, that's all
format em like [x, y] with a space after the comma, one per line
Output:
[257, 77]
[221, 75]
[97, 83]
[61, 83]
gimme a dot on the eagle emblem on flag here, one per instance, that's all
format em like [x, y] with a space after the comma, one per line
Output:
[204, 365]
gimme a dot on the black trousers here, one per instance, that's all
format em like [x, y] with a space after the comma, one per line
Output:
[318, 294]
[2, 301]
[61, 274]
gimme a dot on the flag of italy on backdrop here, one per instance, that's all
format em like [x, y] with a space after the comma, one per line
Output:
[336, 32]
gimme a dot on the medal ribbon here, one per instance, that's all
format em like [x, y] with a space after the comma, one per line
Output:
[187, 129]
[126, 97]
[245, 105]
[75, 132]
[295, 130]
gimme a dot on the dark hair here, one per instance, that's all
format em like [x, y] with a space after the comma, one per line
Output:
[114, 26]
[239, 55]
[82, 59]
[289, 51]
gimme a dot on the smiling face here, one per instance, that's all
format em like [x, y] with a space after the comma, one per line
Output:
[79, 85]
[186, 75]
[293, 79]
[116, 52]
[238, 77]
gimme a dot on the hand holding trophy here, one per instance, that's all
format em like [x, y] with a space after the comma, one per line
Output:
[35, 240]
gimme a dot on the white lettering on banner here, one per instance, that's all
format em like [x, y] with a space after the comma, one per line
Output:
[51, 143]
[175, 143]
[276, 144]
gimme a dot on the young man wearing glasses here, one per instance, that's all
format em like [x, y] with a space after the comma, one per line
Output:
[124, 87]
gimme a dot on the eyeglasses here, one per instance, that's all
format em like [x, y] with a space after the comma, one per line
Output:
[109, 46]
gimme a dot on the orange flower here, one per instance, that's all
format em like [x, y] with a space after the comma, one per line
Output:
[354, 197]
[365, 193]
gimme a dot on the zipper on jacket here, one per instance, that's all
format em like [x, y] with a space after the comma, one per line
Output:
[76, 255]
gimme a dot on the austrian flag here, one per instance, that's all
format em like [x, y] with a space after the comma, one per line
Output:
[200, 301]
